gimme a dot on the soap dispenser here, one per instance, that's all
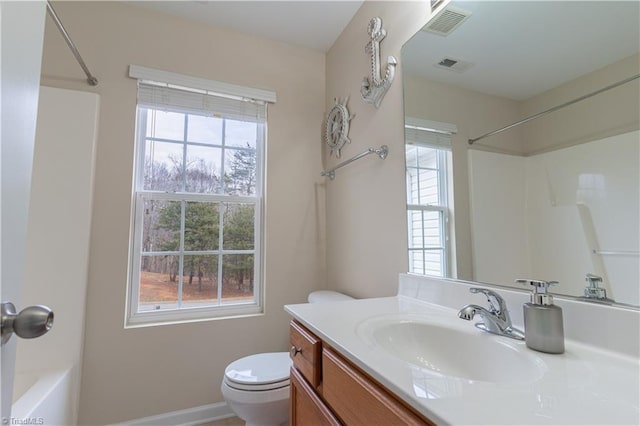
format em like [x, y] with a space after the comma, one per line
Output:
[543, 325]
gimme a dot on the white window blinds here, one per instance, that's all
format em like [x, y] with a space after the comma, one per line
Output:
[423, 137]
[193, 102]
[178, 92]
[428, 133]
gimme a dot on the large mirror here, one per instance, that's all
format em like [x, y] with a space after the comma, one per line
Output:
[553, 198]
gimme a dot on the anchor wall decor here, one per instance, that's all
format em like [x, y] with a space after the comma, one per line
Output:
[374, 88]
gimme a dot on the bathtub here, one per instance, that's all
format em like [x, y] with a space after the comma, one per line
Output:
[44, 398]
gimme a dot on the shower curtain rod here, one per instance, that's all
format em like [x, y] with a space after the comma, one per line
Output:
[90, 78]
[540, 114]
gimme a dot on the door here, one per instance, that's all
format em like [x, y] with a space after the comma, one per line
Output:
[21, 39]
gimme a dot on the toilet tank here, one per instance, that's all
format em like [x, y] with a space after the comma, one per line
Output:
[327, 296]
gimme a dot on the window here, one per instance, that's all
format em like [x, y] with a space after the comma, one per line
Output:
[428, 159]
[198, 202]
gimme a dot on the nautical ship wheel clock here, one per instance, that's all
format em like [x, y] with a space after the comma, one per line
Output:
[336, 129]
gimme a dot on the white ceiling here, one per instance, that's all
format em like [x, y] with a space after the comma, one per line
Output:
[518, 48]
[523, 48]
[314, 24]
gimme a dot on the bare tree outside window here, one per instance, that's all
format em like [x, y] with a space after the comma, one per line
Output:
[197, 252]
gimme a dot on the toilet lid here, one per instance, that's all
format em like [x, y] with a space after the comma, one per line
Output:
[260, 371]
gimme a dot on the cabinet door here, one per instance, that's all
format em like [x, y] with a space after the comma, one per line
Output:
[306, 407]
[358, 400]
[306, 352]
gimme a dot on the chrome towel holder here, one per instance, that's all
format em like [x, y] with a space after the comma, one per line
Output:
[381, 152]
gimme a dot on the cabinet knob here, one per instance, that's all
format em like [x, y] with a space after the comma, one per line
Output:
[294, 351]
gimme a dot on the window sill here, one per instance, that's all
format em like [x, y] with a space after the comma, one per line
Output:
[185, 316]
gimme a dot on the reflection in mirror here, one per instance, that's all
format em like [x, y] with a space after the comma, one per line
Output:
[554, 198]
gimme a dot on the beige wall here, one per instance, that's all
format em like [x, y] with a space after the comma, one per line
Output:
[474, 113]
[140, 372]
[366, 218]
[610, 113]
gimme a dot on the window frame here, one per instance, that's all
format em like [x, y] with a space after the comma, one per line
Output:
[442, 208]
[255, 306]
[442, 150]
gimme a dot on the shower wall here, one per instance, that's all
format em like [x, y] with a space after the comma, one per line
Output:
[57, 251]
[560, 206]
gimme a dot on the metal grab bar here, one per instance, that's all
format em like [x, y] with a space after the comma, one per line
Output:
[380, 152]
[90, 78]
[555, 108]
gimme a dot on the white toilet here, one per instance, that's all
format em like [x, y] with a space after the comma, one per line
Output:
[256, 387]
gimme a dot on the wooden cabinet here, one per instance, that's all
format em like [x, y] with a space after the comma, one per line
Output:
[357, 399]
[306, 350]
[307, 409]
[327, 389]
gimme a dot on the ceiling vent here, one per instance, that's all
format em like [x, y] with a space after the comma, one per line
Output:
[454, 64]
[447, 20]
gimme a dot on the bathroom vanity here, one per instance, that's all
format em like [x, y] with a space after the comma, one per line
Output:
[326, 387]
[409, 359]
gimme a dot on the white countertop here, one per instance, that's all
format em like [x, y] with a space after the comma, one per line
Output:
[585, 385]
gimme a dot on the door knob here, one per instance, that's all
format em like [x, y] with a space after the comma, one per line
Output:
[31, 322]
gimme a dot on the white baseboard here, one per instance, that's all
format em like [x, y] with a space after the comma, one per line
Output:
[189, 417]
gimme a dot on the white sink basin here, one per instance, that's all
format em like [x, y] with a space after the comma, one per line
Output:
[454, 352]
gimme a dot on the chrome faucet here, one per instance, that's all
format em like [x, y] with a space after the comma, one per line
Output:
[496, 320]
[593, 289]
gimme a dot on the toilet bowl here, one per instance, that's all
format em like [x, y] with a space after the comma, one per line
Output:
[257, 387]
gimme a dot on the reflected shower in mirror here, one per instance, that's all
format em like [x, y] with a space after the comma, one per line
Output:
[553, 198]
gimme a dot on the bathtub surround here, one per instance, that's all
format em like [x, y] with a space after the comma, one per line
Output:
[136, 373]
[49, 396]
[57, 254]
[541, 232]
